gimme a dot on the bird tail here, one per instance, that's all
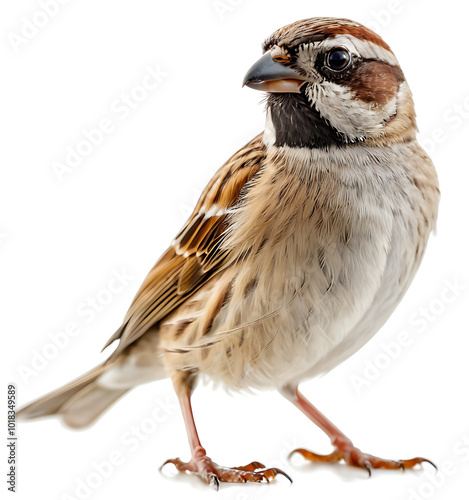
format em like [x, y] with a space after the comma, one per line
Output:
[78, 403]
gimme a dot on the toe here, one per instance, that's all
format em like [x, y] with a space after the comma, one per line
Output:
[335, 456]
[251, 467]
[409, 464]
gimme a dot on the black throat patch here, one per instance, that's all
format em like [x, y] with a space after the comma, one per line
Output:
[298, 124]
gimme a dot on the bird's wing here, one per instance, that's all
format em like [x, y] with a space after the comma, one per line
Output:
[196, 254]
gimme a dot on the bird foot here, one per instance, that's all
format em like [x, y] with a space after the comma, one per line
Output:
[213, 474]
[355, 457]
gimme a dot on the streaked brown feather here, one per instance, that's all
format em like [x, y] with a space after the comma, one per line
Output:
[197, 253]
[191, 273]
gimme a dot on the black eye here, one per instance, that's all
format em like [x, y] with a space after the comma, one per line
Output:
[338, 59]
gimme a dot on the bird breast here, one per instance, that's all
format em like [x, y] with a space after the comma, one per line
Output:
[326, 244]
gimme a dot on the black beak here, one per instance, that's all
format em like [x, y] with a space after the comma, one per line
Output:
[271, 76]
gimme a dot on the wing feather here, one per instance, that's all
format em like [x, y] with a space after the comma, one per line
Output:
[196, 254]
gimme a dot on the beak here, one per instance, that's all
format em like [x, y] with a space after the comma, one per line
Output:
[271, 76]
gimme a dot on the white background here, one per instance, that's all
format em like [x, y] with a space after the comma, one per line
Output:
[120, 208]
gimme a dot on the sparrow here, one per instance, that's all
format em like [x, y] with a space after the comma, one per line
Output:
[297, 252]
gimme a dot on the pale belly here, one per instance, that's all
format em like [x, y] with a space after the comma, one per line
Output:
[394, 285]
[316, 322]
[291, 330]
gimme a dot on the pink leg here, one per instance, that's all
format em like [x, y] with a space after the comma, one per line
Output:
[203, 466]
[344, 448]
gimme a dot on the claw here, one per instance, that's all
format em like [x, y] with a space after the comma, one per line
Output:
[214, 482]
[368, 467]
[169, 461]
[431, 463]
[280, 471]
[293, 452]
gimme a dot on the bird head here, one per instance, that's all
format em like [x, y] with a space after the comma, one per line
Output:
[331, 82]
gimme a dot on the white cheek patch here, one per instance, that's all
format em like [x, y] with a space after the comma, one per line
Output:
[354, 118]
[338, 105]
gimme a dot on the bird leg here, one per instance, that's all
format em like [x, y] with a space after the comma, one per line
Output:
[203, 466]
[344, 448]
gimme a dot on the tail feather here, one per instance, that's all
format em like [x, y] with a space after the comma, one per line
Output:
[83, 408]
[79, 403]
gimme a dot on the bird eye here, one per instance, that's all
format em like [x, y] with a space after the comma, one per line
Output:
[338, 59]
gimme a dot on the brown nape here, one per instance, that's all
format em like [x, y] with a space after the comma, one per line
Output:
[319, 28]
[375, 81]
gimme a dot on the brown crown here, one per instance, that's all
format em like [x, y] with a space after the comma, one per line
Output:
[319, 28]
